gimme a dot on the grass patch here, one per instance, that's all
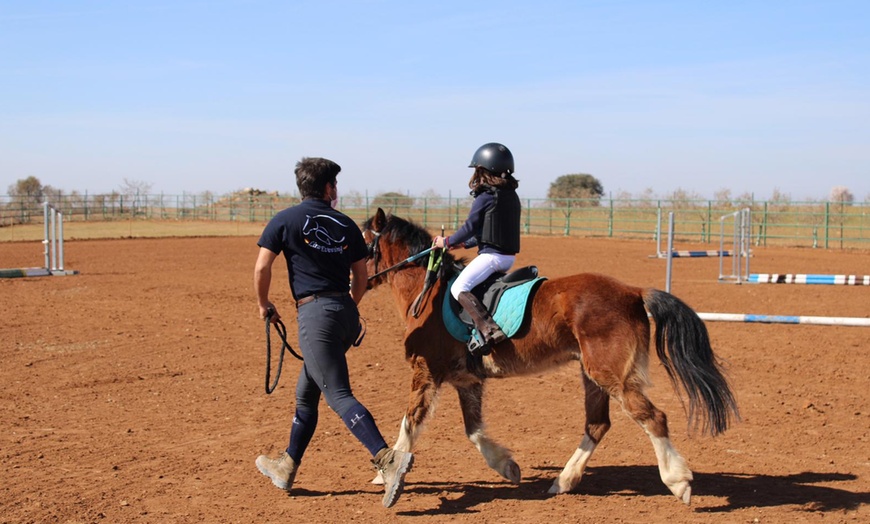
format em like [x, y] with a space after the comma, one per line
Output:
[133, 229]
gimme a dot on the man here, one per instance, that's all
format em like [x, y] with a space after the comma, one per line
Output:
[322, 247]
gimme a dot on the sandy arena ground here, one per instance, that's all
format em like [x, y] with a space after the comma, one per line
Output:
[133, 392]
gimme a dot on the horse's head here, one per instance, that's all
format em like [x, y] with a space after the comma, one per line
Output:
[391, 240]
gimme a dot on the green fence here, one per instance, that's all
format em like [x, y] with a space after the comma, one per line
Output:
[811, 224]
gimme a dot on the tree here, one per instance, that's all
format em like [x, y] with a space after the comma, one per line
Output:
[722, 197]
[430, 198]
[684, 199]
[27, 194]
[27, 191]
[780, 198]
[353, 199]
[577, 186]
[841, 195]
[391, 201]
[135, 194]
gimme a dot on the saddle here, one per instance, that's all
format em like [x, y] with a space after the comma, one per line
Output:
[507, 296]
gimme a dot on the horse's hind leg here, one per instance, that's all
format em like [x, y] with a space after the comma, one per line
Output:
[673, 469]
[597, 424]
[497, 457]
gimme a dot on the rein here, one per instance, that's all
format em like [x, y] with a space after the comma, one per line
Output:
[432, 272]
[374, 252]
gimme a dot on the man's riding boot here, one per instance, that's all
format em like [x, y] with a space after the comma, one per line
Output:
[484, 323]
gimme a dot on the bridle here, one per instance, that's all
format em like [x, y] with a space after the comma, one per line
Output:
[374, 253]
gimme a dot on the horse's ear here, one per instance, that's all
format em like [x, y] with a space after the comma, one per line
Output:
[379, 220]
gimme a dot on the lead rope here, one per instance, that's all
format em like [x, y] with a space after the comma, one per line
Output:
[281, 329]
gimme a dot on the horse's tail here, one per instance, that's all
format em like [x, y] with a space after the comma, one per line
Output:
[683, 346]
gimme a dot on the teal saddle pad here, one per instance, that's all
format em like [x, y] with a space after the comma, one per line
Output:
[510, 315]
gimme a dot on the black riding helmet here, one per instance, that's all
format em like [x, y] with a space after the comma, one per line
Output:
[493, 157]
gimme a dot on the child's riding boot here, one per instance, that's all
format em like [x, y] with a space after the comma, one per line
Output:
[486, 326]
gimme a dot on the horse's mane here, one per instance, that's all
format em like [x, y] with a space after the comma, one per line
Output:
[398, 229]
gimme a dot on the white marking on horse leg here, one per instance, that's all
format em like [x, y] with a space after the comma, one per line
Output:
[573, 471]
[673, 469]
[497, 457]
[406, 439]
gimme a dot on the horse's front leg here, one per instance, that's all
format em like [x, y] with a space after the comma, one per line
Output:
[597, 424]
[421, 404]
[497, 457]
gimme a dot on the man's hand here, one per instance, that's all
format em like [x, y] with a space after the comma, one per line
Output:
[269, 311]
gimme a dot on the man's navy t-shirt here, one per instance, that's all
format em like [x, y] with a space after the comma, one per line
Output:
[319, 244]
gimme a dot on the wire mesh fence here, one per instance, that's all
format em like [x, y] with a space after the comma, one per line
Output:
[810, 224]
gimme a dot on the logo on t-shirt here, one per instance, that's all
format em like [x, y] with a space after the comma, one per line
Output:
[318, 236]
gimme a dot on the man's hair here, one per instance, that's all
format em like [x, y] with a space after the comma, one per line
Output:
[312, 175]
[484, 177]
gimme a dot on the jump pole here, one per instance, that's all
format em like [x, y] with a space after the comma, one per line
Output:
[786, 319]
[776, 278]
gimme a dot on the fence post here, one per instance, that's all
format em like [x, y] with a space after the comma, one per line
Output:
[550, 217]
[528, 215]
[425, 211]
[610, 220]
[827, 221]
[568, 221]
[456, 216]
[709, 225]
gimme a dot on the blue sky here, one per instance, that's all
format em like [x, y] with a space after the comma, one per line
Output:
[189, 96]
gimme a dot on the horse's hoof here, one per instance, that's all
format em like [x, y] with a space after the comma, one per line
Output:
[682, 490]
[555, 489]
[378, 480]
[512, 472]
[686, 496]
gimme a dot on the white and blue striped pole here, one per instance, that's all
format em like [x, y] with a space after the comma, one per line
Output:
[786, 319]
[798, 278]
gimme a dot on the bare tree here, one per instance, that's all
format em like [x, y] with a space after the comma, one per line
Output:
[684, 199]
[431, 198]
[722, 197]
[353, 199]
[841, 195]
[647, 197]
[135, 193]
[624, 197]
[780, 198]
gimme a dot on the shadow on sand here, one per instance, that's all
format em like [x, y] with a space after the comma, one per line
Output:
[739, 490]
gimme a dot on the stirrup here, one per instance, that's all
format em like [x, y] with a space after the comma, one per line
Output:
[496, 336]
[477, 344]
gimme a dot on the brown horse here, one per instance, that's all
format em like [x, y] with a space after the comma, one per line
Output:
[590, 318]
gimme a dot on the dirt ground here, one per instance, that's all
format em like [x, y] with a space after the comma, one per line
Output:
[133, 392]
